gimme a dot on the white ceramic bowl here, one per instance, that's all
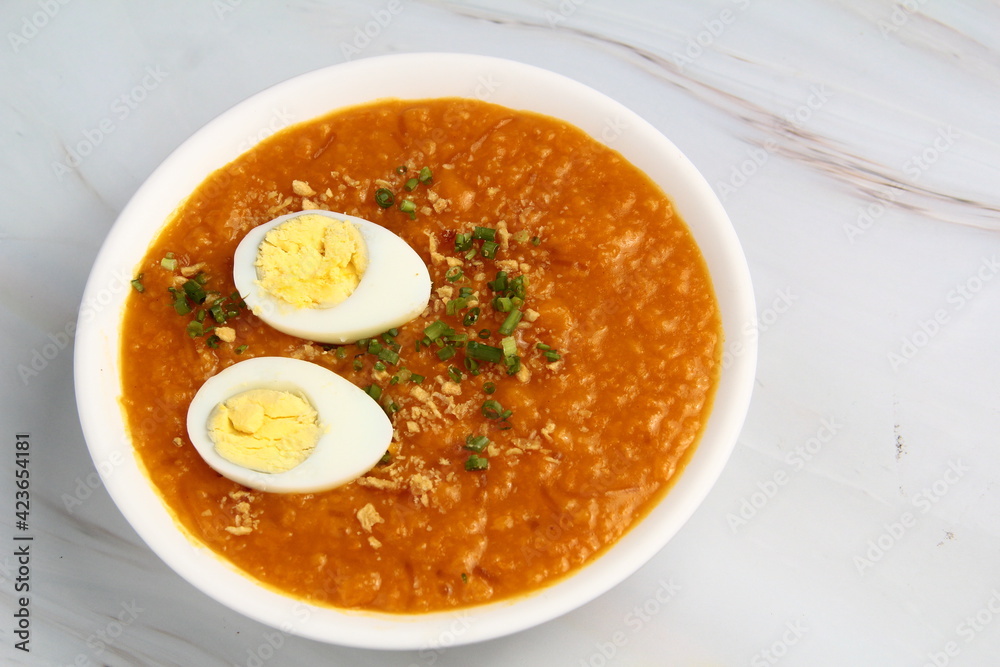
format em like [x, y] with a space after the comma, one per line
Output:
[504, 82]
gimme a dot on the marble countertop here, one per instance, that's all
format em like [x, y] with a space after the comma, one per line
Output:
[856, 147]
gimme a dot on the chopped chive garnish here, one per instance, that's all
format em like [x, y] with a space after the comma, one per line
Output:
[374, 347]
[543, 346]
[213, 341]
[137, 284]
[409, 207]
[476, 443]
[489, 388]
[454, 374]
[379, 366]
[425, 175]
[358, 364]
[453, 274]
[341, 352]
[374, 391]
[510, 323]
[416, 378]
[393, 380]
[241, 349]
[475, 463]
[483, 352]
[201, 279]
[384, 197]
[411, 185]
[551, 355]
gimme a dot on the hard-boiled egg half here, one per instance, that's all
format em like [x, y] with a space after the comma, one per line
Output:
[286, 426]
[330, 277]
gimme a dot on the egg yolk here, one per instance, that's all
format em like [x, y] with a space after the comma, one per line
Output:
[265, 430]
[312, 261]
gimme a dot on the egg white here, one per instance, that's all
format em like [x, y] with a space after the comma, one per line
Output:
[355, 430]
[393, 290]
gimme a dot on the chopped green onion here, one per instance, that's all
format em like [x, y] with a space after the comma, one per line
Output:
[218, 314]
[489, 388]
[503, 304]
[374, 347]
[386, 458]
[201, 278]
[475, 463]
[519, 286]
[358, 364]
[168, 262]
[510, 323]
[213, 341]
[484, 333]
[454, 305]
[411, 185]
[341, 352]
[409, 207]
[436, 330]
[416, 378]
[471, 317]
[196, 328]
[536, 240]
[521, 236]
[499, 284]
[389, 356]
[453, 274]
[509, 346]
[513, 364]
[384, 197]
[454, 374]
[194, 290]
[476, 443]
[379, 366]
[551, 355]
[401, 169]
[489, 249]
[374, 391]
[446, 352]
[484, 233]
[463, 242]
[241, 349]
[425, 175]
[492, 409]
[483, 352]
[137, 284]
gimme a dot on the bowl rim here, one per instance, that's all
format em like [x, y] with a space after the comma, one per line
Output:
[407, 76]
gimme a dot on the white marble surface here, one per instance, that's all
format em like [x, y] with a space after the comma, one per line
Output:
[856, 146]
